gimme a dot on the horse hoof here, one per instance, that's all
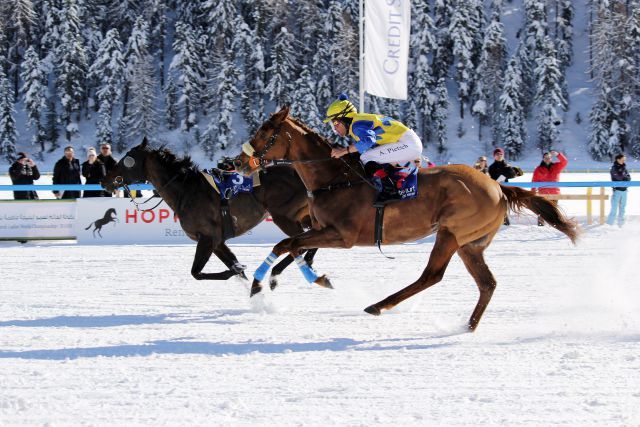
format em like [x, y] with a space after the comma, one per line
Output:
[372, 309]
[256, 287]
[324, 282]
[273, 282]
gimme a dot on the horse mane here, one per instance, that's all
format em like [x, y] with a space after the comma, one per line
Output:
[173, 163]
[310, 132]
[321, 140]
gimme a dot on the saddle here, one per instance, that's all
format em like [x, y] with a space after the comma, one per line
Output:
[228, 183]
[394, 184]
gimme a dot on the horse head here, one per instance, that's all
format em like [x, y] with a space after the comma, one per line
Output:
[267, 144]
[130, 169]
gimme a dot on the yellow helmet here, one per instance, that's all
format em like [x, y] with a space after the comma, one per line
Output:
[340, 108]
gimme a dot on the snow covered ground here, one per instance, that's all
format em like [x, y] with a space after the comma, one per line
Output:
[117, 335]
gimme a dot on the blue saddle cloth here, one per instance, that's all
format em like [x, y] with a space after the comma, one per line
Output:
[231, 184]
[406, 180]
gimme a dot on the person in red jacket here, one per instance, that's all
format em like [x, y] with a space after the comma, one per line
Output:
[549, 171]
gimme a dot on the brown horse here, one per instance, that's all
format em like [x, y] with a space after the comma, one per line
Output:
[464, 207]
[192, 198]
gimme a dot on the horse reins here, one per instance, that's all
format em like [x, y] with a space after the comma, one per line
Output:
[120, 181]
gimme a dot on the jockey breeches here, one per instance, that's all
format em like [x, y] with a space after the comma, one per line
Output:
[407, 149]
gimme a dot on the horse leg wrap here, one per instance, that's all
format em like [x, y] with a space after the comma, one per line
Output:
[264, 267]
[307, 271]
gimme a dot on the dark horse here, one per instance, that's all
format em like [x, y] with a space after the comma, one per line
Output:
[109, 216]
[464, 207]
[187, 192]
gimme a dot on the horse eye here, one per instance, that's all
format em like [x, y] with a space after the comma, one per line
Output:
[129, 162]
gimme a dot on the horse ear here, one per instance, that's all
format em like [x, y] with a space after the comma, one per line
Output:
[145, 143]
[281, 115]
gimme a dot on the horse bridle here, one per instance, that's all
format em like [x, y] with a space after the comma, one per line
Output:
[256, 159]
[119, 181]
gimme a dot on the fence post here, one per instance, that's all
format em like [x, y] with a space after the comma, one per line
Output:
[601, 205]
[589, 211]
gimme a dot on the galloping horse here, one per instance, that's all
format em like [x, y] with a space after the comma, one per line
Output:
[109, 216]
[192, 198]
[464, 207]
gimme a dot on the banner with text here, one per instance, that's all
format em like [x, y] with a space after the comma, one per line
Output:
[37, 219]
[386, 52]
[116, 221]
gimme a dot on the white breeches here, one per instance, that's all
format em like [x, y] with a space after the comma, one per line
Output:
[407, 149]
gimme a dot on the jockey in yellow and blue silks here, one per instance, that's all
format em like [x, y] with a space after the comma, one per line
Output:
[378, 139]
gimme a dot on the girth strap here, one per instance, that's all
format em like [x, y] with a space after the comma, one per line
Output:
[227, 222]
[377, 234]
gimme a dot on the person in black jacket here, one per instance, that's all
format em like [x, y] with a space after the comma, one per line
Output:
[94, 171]
[619, 198]
[23, 172]
[110, 163]
[501, 171]
[67, 171]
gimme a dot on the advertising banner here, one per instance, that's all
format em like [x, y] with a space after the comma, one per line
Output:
[116, 221]
[37, 219]
[386, 52]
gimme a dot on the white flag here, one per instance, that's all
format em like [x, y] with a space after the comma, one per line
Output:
[386, 52]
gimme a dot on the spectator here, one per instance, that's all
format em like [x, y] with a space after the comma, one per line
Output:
[429, 163]
[67, 171]
[94, 171]
[619, 198]
[501, 171]
[482, 165]
[549, 171]
[110, 163]
[23, 172]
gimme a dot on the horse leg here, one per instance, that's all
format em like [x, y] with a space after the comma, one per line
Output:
[443, 249]
[204, 249]
[473, 259]
[310, 239]
[229, 259]
[279, 268]
[308, 257]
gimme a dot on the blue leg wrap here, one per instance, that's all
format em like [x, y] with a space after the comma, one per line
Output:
[264, 267]
[307, 271]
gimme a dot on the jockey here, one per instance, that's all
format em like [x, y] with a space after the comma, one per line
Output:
[379, 140]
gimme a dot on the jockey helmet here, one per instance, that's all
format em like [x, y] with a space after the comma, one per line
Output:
[340, 108]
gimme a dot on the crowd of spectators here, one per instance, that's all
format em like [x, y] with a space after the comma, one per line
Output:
[68, 170]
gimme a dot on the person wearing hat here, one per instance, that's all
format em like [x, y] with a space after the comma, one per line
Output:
[501, 171]
[378, 139]
[23, 172]
[549, 171]
[94, 171]
[481, 165]
[67, 171]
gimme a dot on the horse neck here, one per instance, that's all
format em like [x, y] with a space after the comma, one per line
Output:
[170, 189]
[314, 175]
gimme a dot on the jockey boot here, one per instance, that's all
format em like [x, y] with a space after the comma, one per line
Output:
[387, 192]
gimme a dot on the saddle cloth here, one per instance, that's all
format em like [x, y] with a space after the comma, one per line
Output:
[405, 181]
[230, 184]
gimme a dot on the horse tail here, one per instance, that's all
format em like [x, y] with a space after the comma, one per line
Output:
[519, 198]
[89, 226]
